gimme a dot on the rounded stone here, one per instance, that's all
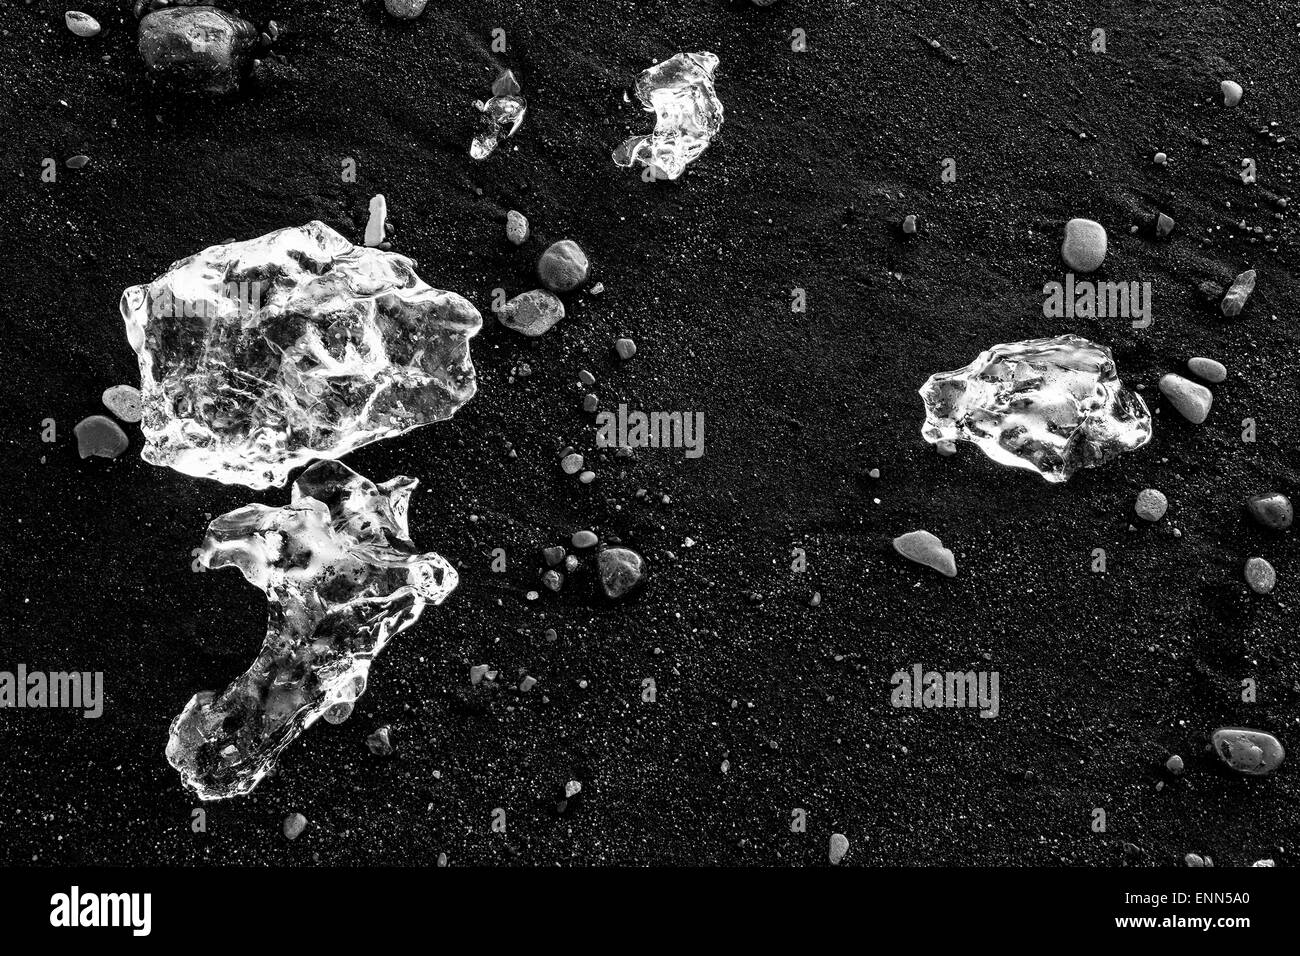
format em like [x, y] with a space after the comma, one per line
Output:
[571, 464]
[1084, 248]
[1260, 575]
[216, 65]
[622, 571]
[99, 435]
[294, 824]
[532, 313]
[82, 24]
[839, 847]
[1272, 509]
[123, 401]
[1232, 92]
[584, 539]
[1151, 505]
[380, 743]
[909, 225]
[1247, 751]
[516, 227]
[1207, 369]
[625, 348]
[1174, 765]
[1192, 401]
[563, 266]
[405, 9]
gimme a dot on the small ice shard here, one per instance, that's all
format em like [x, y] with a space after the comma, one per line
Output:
[342, 578]
[123, 401]
[1054, 405]
[197, 48]
[688, 114]
[375, 232]
[98, 435]
[502, 115]
[257, 357]
[1237, 295]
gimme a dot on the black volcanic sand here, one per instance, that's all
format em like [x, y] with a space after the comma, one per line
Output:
[1103, 677]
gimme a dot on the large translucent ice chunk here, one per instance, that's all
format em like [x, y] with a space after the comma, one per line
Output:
[342, 577]
[679, 91]
[257, 357]
[1054, 405]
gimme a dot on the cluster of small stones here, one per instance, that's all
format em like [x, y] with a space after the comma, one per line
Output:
[620, 571]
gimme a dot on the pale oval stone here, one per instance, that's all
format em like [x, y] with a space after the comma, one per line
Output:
[405, 9]
[1232, 92]
[532, 313]
[625, 348]
[584, 539]
[1272, 509]
[516, 227]
[98, 435]
[1191, 400]
[375, 231]
[294, 824]
[1151, 505]
[563, 266]
[1084, 248]
[571, 464]
[1260, 575]
[909, 225]
[839, 847]
[1247, 751]
[924, 548]
[1207, 369]
[622, 571]
[123, 401]
[82, 24]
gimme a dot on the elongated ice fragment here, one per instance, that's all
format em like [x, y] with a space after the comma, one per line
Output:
[257, 357]
[1054, 405]
[688, 114]
[342, 578]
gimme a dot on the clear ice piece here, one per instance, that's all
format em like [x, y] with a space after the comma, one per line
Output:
[257, 357]
[1054, 405]
[679, 91]
[502, 115]
[1242, 287]
[342, 578]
